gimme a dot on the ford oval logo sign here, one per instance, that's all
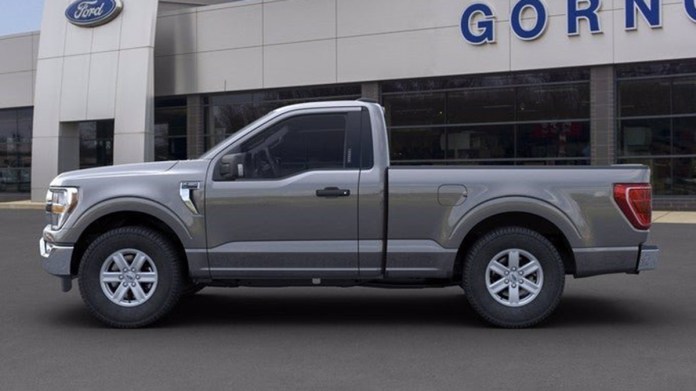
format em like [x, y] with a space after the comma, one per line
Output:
[92, 13]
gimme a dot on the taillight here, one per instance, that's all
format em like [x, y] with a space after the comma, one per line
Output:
[635, 201]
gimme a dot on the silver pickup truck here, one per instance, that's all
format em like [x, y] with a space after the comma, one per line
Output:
[306, 196]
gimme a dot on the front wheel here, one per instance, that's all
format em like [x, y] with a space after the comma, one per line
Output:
[513, 277]
[130, 277]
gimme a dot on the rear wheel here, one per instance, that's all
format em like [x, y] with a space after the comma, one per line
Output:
[513, 277]
[130, 277]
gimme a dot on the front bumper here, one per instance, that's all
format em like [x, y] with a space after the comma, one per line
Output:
[56, 259]
[649, 257]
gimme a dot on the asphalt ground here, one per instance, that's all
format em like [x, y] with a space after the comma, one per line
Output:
[616, 332]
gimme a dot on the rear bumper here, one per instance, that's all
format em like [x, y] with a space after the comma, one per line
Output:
[608, 260]
[649, 257]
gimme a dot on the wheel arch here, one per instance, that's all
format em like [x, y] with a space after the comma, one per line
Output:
[127, 212]
[526, 213]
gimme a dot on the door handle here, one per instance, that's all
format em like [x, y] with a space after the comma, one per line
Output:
[332, 192]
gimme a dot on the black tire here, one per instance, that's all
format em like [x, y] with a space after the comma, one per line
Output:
[492, 310]
[165, 293]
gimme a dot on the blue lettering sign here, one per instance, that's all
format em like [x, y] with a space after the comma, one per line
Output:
[651, 13]
[588, 13]
[485, 27]
[539, 25]
[92, 13]
[690, 9]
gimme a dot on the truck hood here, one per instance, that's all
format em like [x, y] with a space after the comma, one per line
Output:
[73, 178]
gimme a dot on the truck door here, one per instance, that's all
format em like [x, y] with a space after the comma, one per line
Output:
[290, 208]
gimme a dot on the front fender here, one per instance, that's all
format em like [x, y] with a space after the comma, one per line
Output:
[189, 232]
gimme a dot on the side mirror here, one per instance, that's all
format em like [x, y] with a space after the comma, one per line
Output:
[232, 166]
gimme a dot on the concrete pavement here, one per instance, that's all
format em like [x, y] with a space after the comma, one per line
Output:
[616, 332]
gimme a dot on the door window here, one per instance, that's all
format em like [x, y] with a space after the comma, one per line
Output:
[296, 145]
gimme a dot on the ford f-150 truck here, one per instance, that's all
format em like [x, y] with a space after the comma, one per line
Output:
[306, 196]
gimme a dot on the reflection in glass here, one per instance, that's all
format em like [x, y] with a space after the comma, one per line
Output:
[480, 142]
[525, 118]
[684, 135]
[96, 143]
[228, 113]
[554, 139]
[644, 98]
[684, 96]
[412, 110]
[481, 105]
[418, 144]
[15, 150]
[554, 102]
[657, 124]
[170, 131]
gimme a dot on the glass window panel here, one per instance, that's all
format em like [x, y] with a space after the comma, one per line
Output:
[421, 85]
[479, 106]
[170, 102]
[87, 130]
[8, 125]
[161, 149]
[684, 96]
[226, 114]
[553, 102]
[15, 149]
[661, 170]
[656, 69]
[232, 99]
[105, 130]
[4, 156]
[25, 121]
[641, 137]
[684, 136]
[227, 120]
[493, 80]
[481, 142]
[170, 148]
[481, 81]
[96, 143]
[554, 139]
[417, 144]
[174, 118]
[564, 162]
[644, 98]
[88, 153]
[296, 145]
[507, 162]
[684, 182]
[415, 109]
[552, 76]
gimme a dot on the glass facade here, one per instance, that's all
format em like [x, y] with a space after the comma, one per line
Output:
[657, 123]
[540, 118]
[226, 114]
[15, 149]
[527, 118]
[171, 129]
[96, 143]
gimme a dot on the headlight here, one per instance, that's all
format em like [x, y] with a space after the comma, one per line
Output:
[60, 202]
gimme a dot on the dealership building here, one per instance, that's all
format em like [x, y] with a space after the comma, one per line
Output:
[486, 82]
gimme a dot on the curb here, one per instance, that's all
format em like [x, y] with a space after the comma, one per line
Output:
[664, 217]
[22, 205]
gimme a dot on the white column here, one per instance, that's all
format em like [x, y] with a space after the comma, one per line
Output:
[89, 74]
